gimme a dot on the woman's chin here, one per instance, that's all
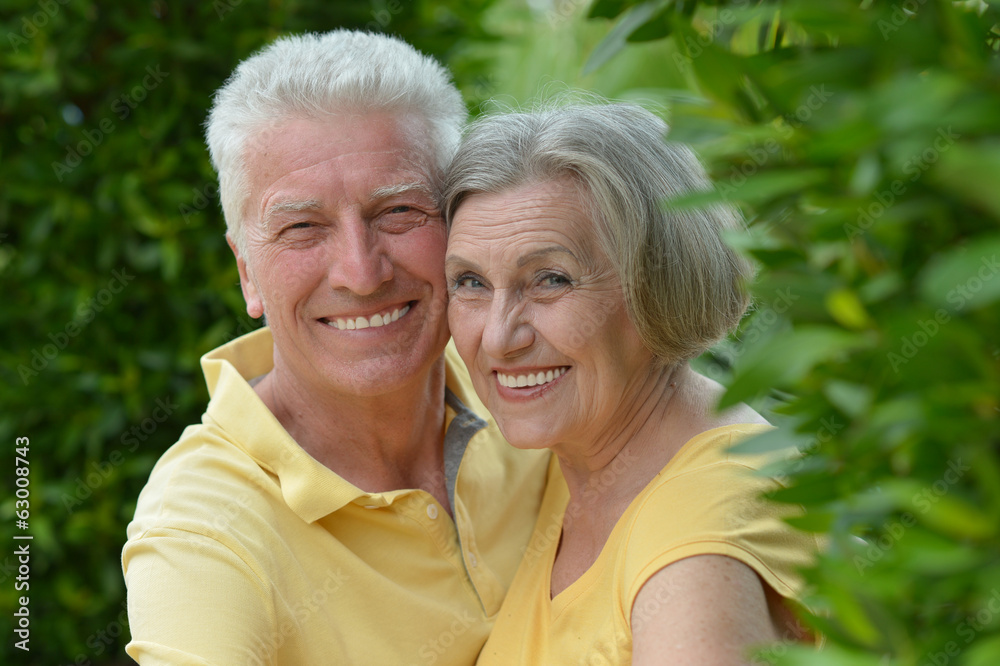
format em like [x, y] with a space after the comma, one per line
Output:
[520, 437]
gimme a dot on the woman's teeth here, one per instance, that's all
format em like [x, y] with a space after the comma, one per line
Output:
[533, 379]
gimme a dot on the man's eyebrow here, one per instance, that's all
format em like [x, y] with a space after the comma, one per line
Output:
[290, 206]
[531, 256]
[402, 188]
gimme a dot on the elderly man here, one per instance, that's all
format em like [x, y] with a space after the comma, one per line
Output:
[346, 499]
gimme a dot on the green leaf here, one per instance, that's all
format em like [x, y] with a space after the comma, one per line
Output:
[986, 651]
[813, 521]
[779, 439]
[769, 185]
[934, 555]
[852, 399]
[785, 359]
[957, 518]
[973, 172]
[967, 277]
[851, 613]
[657, 27]
[607, 8]
[817, 489]
[829, 655]
[846, 309]
[615, 39]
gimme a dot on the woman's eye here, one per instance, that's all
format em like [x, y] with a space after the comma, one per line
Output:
[467, 282]
[554, 280]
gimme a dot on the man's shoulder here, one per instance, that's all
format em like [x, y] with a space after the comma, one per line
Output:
[200, 483]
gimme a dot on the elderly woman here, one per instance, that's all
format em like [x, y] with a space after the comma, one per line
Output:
[577, 302]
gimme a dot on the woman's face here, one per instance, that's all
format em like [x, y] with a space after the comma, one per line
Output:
[537, 313]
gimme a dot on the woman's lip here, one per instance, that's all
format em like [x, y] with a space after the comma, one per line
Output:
[525, 378]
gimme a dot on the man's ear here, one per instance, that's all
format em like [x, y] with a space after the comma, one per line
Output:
[255, 304]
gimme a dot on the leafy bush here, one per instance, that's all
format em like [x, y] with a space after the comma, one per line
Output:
[115, 273]
[863, 142]
[860, 138]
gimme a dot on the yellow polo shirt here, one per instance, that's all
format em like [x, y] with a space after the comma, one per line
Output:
[246, 550]
[704, 501]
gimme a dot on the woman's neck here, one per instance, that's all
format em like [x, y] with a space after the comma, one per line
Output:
[631, 443]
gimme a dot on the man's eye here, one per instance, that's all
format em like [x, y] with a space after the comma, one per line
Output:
[300, 225]
[401, 209]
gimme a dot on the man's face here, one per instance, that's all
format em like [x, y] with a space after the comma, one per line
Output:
[345, 251]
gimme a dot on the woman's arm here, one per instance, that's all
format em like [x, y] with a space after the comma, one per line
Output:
[707, 610]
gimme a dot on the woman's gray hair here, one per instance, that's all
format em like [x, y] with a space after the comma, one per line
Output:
[314, 76]
[684, 287]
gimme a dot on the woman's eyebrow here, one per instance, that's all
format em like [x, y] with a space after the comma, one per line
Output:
[456, 261]
[541, 252]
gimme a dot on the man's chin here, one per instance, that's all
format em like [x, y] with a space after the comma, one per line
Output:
[383, 374]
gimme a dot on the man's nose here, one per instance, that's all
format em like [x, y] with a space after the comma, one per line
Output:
[359, 262]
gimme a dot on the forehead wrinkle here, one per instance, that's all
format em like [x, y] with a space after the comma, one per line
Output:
[289, 206]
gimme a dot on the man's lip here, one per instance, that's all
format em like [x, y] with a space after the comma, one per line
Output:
[382, 309]
[374, 319]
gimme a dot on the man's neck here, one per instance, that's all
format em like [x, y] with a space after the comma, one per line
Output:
[378, 443]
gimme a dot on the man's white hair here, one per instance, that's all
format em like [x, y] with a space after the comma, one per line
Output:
[317, 76]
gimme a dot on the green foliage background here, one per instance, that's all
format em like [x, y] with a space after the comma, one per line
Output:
[861, 139]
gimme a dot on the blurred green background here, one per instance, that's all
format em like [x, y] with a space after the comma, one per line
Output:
[861, 139]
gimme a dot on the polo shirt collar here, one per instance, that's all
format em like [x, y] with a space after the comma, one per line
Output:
[308, 487]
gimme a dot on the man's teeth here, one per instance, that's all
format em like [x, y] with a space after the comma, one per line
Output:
[536, 379]
[365, 322]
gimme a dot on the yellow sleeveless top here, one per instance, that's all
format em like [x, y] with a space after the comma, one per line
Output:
[705, 501]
